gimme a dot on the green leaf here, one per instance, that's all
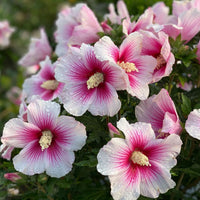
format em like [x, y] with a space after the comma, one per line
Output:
[186, 104]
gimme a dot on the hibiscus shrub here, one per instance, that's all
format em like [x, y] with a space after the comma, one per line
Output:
[110, 109]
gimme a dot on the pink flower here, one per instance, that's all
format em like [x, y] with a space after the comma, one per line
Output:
[143, 23]
[192, 124]
[38, 50]
[5, 33]
[122, 13]
[12, 176]
[43, 83]
[128, 56]
[140, 163]
[48, 141]
[186, 86]
[6, 151]
[89, 83]
[78, 25]
[164, 119]
[159, 48]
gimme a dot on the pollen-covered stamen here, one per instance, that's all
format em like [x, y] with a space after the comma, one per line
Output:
[128, 67]
[160, 62]
[50, 84]
[140, 159]
[95, 80]
[46, 139]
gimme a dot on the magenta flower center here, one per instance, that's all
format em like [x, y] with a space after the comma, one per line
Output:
[95, 80]
[46, 139]
[128, 67]
[140, 159]
[50, 84]
[160, 62]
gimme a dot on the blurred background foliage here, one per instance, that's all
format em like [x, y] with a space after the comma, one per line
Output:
[83, 182]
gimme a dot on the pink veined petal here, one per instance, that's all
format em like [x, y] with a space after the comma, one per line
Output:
[71, 69]
[131, 47]
[180, 7]
[112, 162]
[144, 110]
[32, 86]
[138, 88]
[136, 135]
[161, 12]
[126, 185]
[90, 60]
[165, 102]
[77, 99]
[31, 159]
[164, 151]
[190, 21]
[83, 34]
[155, 179]
[58, 161]
[17, 133]
[171, 124]
[47, 69]
[115, 75]
[192, 124]
[43, 113]
[106, 101]
[69, 133]
[110, 50]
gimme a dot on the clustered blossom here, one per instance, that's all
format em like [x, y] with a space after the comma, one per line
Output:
[87, 76]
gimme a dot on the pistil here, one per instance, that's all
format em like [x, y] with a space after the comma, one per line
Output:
[50, 84]
[140, 159]
[46, 139]
[128, 67]
[95, 80]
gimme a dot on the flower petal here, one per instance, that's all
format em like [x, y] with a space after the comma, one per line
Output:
[70, 134]
[113, 157]
[17, 133]
[43, 113]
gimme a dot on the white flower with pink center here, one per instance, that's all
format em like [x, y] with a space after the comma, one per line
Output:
[5, 33]
[48, 140]
[76, 26]
[192, 124]
[140, 163]
[43, 83]
[38, 50]
[159, 48]
[138, 68]
[159, 110]
[89, 83]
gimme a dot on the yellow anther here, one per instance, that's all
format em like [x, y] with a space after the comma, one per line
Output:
[50, 84]
[95, 80]
[46, 139]
[128, 67]
[140, 159]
